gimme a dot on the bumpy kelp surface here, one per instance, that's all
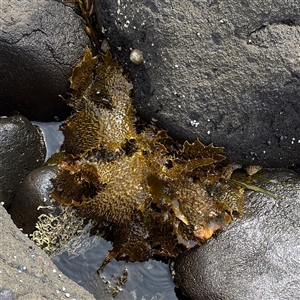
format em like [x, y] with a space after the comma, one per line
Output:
[157, 196]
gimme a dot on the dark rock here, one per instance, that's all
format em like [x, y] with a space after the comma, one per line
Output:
[22, 150]
[256, 256]
[225, 72]
[40, 43]
[34, 192]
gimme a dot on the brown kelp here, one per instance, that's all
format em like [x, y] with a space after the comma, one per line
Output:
[157, 195]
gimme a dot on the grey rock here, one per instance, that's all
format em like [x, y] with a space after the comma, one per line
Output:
[22, 150]
[26, 271]
[6, 294]
[34, 192]
[40, 43]
[226, 72]
[256, 256]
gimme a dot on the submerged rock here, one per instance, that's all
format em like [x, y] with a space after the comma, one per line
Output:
[255, 257]
[225, 72]
[40, 41]
[22, 150]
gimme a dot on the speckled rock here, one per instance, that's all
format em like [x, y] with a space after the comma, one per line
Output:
[256, 256]
[26, 273]
[40, 42]
[33, 192]
[22, 150]
[226, 72]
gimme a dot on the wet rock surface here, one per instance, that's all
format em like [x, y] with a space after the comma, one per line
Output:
[255, 257]
[26, 271]
[33, 193]
[40, 43]
[22, 150]
[224, 72]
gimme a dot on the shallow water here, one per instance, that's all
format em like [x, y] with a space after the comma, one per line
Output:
[83, 256]
[53, 137]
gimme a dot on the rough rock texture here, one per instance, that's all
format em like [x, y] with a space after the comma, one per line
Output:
[255, 257]
[22, 150]
[26, 273]
[40, 42]
[33, 192]
[226, 72]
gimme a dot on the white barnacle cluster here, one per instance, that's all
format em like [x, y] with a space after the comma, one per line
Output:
[194, 123]
[294, 141]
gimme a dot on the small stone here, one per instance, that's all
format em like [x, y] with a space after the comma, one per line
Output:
[34, 189]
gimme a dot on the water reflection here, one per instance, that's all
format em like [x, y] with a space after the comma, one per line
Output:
[83, 256]
[52, 136]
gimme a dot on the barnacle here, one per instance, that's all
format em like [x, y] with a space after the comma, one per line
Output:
[157, 195]
[136, 57]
